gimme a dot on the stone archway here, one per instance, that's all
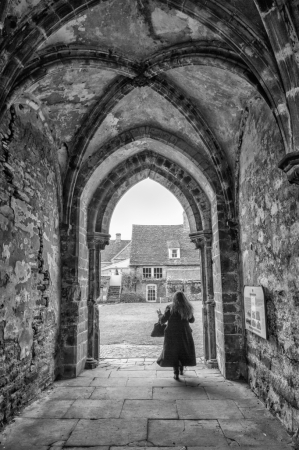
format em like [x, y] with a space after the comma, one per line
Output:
[144, 165]
[92, 209]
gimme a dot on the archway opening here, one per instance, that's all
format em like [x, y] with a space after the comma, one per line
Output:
[99, 188]
[150, 256]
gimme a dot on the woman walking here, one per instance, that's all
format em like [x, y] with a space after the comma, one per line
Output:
[178, 348]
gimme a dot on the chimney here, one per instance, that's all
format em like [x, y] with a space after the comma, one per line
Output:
[118, 237]
[185, 222]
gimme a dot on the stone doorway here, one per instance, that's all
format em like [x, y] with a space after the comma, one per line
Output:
[91, 209]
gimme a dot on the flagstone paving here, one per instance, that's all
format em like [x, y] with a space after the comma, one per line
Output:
[130, 350]
[134, 404]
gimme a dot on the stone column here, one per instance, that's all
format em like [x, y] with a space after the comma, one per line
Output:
[98, 270]
[96, 242]
[203, 241]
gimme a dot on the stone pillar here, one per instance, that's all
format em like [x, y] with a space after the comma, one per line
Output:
[203, 241]
[96, 242]
[71, 331]
[97, 271]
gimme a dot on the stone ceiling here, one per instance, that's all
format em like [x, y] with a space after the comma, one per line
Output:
[125, 27]
[118, 65]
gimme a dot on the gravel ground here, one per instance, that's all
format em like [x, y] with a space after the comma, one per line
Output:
[125, 330]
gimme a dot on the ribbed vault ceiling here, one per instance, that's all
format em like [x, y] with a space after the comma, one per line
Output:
[120, 65]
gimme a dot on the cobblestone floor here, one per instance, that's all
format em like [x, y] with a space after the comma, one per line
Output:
[133, 404]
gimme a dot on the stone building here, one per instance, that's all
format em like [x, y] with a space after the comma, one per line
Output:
[163, 261]
[201, 96]
[115, 254]
[159, 260]
[115, 261]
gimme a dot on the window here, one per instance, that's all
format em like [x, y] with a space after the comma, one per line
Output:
[174, 253]
[147, 272]
[152, 272]
[151, 292]
[157, 272]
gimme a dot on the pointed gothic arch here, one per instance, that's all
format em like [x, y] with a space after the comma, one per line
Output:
[100, 186]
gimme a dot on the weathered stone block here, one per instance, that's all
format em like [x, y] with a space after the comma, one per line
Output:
[230, 308]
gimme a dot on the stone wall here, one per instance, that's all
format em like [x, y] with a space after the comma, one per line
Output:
[270, 255]
[161, 287]
[29, 261]
[191, 288]
[134, 283]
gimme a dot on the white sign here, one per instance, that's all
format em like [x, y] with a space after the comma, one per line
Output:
[255, 311]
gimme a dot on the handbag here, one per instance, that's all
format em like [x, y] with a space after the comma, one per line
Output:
[158, 330]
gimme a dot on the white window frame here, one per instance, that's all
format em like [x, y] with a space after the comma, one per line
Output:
[152, 287]
[160, 272]
[151, 270]
[174, 257]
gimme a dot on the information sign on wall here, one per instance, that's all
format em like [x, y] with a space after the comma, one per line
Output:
[255, 310]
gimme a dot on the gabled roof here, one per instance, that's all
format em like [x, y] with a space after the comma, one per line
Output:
[113, 249]
[116, 265]
[123, 254]
[149, 245]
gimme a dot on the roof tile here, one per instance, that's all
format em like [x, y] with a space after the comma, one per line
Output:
[149, 245]
[113, 249]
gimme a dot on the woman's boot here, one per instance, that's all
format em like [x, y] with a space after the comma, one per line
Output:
[176, 373]
[181, 369]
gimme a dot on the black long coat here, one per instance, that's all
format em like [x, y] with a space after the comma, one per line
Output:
[178, 347]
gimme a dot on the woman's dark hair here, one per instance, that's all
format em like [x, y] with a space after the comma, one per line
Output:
[181, 305]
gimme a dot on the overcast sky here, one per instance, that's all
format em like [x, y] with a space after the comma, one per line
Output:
[147, 203]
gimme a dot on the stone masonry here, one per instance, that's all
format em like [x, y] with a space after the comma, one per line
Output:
[201, 96]
[29, 266]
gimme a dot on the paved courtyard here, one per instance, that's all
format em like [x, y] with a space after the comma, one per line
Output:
[135, 404]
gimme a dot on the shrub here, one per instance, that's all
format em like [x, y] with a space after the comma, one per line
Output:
[131, 297]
